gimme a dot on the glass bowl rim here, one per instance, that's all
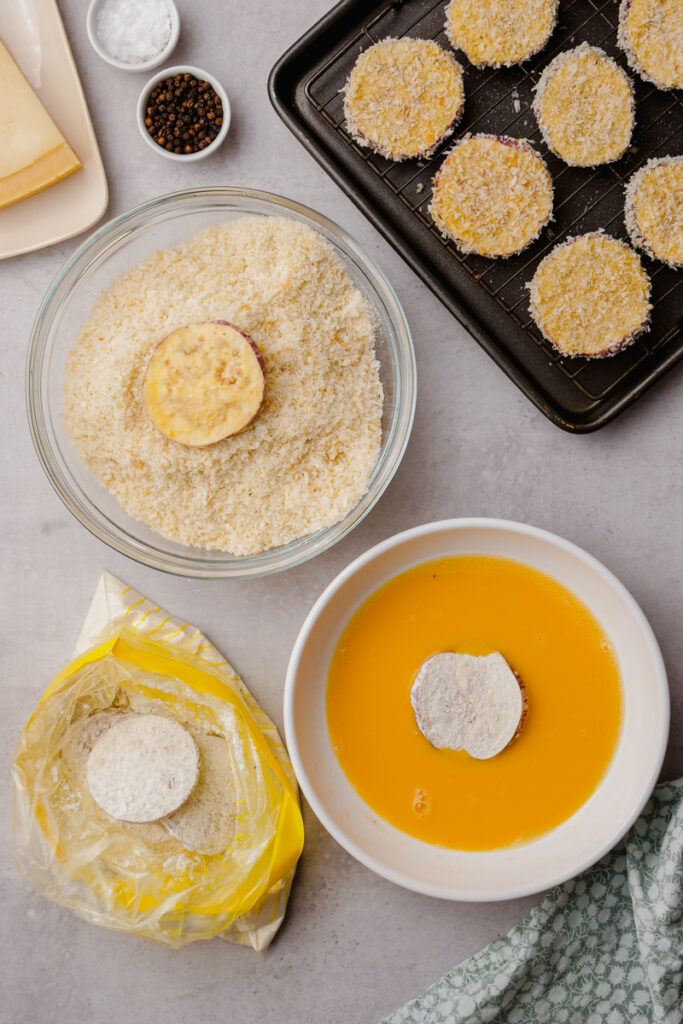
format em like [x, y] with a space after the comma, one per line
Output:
[194, 564]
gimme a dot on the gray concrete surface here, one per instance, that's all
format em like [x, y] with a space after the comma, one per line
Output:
[353, 946]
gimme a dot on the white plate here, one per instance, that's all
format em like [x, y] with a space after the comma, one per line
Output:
[500, 874]
[76, 203]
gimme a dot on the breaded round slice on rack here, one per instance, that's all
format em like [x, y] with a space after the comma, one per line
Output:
[499, 33]
[653, 212]
[404, 97]
[590, 296]
[651, 35]
[585, 108]
[492, 195]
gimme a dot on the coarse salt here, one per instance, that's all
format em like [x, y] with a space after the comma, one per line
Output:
[134, 31]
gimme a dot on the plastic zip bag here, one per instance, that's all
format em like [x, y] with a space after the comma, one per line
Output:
[142, 878]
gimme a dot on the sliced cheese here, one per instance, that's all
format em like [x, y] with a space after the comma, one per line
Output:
[34, 153]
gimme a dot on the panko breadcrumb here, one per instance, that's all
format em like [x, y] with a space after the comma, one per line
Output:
[500, 32]
[492, 195]
[653, 211]
[305, 461]
[590, 296]
[651, 35]
[585, 108]
[404, 97]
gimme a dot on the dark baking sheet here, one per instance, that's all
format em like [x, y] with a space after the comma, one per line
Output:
[489, 296]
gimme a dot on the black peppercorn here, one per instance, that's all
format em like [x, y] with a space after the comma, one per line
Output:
[183, 114]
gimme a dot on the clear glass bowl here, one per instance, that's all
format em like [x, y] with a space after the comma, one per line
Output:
[109, 252]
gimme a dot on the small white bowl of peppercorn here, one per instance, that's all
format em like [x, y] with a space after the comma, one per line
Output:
[183, 113]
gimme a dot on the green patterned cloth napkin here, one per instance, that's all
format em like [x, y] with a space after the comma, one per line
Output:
[604, 948]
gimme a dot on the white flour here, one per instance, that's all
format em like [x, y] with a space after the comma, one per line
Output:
[463, 702]
[142, 768]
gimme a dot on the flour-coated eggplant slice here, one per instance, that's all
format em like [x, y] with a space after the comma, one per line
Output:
[142, 768]
[465, 702]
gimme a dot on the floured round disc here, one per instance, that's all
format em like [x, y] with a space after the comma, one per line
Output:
[142, 768]
[590, 296]
[654, 209]
[585, 108]
[404, 97]
[492, 195]
[207, 822]
[465, 702]
[500, 32]
[651, 35]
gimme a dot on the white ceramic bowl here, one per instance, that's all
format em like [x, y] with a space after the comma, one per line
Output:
[182, 69]
[500, 874]
[146, 65]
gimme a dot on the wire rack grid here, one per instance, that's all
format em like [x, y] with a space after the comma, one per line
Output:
[499, 101]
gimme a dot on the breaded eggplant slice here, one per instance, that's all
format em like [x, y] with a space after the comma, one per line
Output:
[653, 211]
[651, 35]
[492, 195]
[590, 296]
[499, 33]
[585, 107]
[404, 97]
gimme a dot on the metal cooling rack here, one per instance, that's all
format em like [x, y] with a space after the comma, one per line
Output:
[578, 394]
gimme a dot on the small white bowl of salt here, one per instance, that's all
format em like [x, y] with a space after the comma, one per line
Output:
[133, 35]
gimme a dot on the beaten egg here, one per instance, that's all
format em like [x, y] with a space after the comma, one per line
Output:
[475, 605]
